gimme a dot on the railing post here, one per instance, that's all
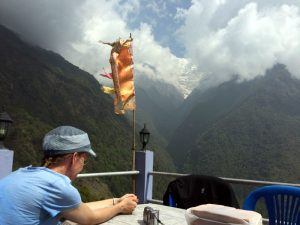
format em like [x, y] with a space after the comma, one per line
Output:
[144, 181]
[6, 162]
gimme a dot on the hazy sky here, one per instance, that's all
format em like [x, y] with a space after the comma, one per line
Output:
[217, 38]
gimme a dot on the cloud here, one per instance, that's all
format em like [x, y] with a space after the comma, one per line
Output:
[158, 6]
[180, 14]
[247, 43]
[50, 24]
[218, 38]
[148, 52]
[110, 26]
[73, 29]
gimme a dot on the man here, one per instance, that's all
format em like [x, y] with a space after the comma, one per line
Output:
[45, 195]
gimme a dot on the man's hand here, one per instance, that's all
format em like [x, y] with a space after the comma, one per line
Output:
[128, 204]
[131, 196]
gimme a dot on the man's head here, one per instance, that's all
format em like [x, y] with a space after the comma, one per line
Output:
[66, 150]
[66, 139]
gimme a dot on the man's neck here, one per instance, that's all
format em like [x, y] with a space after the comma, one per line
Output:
[62, 169]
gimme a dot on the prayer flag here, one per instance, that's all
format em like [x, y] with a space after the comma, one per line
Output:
[121, 61]
[107, 90]
[107, 75]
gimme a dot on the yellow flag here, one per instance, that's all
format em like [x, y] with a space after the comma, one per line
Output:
[107, 90]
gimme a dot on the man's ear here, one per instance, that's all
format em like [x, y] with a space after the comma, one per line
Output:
[74, 158]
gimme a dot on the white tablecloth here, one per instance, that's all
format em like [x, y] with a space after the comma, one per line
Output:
[167, 215]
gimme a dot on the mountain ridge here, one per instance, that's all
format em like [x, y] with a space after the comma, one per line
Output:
[261, 130]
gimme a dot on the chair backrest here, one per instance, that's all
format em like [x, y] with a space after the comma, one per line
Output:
[193, 190]
[282, 203]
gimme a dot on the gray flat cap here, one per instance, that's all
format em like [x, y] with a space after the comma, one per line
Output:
[66, 139]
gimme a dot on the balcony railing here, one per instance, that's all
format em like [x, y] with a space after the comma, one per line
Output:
[120, 173]
[230, 180]
[144, 177]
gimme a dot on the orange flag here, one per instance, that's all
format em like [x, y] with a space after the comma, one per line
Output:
[121, 61]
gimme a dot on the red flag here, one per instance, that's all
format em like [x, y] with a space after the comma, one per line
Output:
[107, 75]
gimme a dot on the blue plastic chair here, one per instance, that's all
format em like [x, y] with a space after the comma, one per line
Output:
[282, 203]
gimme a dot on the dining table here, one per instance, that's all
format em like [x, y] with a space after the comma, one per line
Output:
[167, 216]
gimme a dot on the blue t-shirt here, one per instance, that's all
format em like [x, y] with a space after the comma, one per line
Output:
[35, 195]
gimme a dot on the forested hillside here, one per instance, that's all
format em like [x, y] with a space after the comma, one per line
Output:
[158, 106]
[245, 130]
[41, 90]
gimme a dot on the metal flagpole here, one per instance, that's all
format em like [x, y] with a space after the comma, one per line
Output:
[133, 146]
[133, 151]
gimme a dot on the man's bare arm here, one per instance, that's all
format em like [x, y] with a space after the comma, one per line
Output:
[92, 213]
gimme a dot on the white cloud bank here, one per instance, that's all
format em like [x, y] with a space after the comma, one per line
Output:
[247, 43]
[220, 37]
